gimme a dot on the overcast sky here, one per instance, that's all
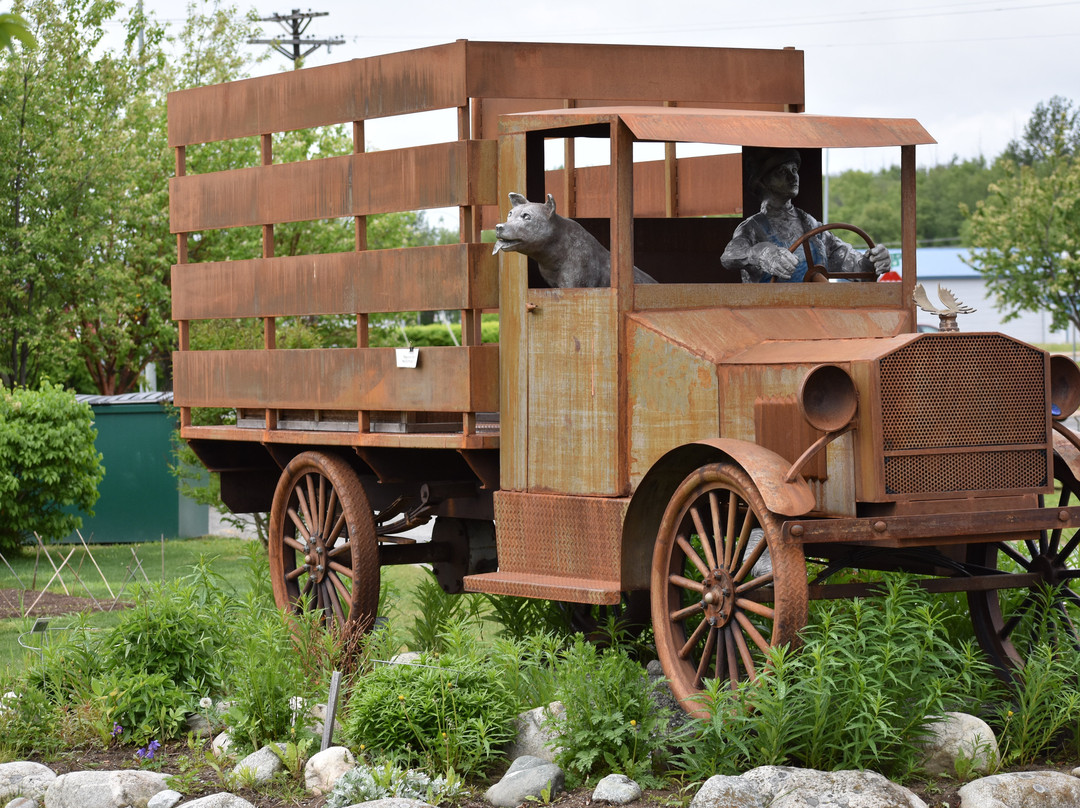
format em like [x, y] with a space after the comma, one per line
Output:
[970, 71]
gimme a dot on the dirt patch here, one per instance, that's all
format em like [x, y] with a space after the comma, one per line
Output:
[45, 603]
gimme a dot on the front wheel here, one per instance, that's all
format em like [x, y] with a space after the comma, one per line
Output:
[324, 552]
[724, 590]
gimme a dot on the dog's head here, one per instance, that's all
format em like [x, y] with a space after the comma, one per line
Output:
[527, 225]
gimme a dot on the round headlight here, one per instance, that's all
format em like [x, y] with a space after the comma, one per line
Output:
[1064, 387]
[828, 398]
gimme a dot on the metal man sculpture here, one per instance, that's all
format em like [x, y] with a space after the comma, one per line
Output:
[759, 248]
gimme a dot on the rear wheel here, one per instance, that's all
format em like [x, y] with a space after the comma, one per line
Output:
[1045, 605]
[724, 590]
[323, 547]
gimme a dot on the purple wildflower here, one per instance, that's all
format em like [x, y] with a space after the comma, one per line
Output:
[116, 730]
[147, 752]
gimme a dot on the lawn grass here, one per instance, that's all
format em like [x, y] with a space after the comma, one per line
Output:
[123, 566]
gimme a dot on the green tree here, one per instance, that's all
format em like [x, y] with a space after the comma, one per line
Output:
[68, 200]
[1052, 133]
[1026, 234]
[12, 27]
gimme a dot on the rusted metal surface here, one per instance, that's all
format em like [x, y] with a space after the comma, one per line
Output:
[539, 537]
[612, 72]
[445, 379]
[393, 84]
[452, 276]
[573, 394]
[459, 173]
[733, 127]
[448, 75]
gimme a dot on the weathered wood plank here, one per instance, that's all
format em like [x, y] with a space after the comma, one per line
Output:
[446, 379]
[445, 277]
[573, 392]
[441, 175]
[391, 84]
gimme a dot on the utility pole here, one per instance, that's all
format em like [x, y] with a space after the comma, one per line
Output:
[295, 23]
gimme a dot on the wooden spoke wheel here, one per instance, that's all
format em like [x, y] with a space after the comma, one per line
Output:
[323, 548]
[723, 589]
[1046, 600]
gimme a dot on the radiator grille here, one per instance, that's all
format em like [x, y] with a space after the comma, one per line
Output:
[965, 394]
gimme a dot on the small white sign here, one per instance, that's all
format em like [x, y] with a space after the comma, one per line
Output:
[407, 357]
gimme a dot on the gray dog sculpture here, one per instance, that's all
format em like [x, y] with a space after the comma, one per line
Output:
[567, 254]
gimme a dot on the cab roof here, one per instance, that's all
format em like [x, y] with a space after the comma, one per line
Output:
[730, 127]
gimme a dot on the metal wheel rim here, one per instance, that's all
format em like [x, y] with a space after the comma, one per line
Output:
[323, 546]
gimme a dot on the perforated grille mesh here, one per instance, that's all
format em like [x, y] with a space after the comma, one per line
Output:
[962, 393]
[968, 471]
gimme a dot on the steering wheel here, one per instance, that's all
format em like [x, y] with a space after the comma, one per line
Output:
[819, 274]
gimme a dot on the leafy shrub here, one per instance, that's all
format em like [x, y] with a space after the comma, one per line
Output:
[870, 676]
[447, 712]
[176, 628]
[147, 706]
[611, 722]
[527, 667]
[1046, 703]
[47, 463]
[366, 782]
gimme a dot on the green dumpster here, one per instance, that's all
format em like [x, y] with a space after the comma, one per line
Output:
[140, 499]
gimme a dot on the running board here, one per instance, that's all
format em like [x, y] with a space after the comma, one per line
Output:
[548, 587]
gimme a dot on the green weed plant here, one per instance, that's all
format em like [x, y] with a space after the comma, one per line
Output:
[610, 723]
[444, 712]
[871, 675]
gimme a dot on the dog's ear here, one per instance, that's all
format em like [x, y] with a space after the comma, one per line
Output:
[517, 199]
[550, 205]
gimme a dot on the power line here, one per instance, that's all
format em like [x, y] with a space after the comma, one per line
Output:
[295, 23]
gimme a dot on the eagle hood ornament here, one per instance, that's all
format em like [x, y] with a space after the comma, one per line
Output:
[947, 315]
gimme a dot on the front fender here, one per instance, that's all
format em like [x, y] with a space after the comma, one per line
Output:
[766, 468]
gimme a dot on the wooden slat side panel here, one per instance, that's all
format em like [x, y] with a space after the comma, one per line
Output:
[635, 72]
[573, 395]
[394, 84]
[707, 186]
[441, 175]
[444, 277]
[445, 379]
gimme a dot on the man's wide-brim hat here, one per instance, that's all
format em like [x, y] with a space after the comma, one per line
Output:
[760, 161]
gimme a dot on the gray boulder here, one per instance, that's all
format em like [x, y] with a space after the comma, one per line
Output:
[23, 802]
[127, 788]
[786, 787]
[165, 799]
[1022, 790]
[723, 791]
[24, 779]
[527, 777]
[618, 789]
[260, 766]
[222, 799]
[536, 734]
[326, 767]
[956, 737]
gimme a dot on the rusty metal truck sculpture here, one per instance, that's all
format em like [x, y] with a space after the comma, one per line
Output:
[728, 450]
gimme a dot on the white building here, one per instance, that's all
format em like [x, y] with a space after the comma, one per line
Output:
[944, 265]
